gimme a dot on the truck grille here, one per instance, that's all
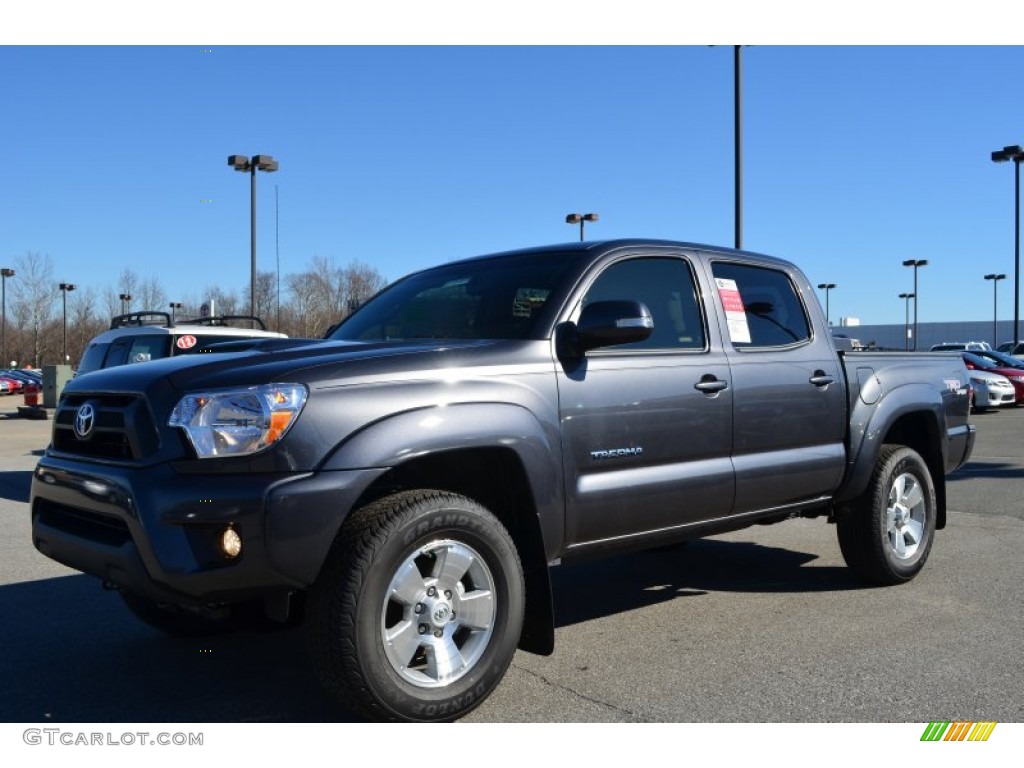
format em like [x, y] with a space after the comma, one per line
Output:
[121, 427]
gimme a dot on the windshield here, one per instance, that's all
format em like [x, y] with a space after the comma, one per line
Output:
[1006, 361]
[505, 297]
[980, 362]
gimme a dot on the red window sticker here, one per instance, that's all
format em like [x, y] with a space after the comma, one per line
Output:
[735, 315]
[186, 342]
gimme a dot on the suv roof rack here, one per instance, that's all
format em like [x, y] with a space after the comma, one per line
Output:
[140, 319]
[224, 320]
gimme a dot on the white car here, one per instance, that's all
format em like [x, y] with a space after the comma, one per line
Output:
[143, 336]
[991, 390]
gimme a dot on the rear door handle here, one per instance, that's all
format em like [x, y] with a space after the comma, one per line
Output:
[709, 385]
[821, 379]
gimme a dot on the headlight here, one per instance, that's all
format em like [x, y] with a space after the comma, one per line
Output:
[237, 422]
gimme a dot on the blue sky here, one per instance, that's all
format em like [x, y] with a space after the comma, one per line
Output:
[855, 158]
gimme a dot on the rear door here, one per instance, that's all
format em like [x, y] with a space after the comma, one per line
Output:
[647, 427]
[789, 401]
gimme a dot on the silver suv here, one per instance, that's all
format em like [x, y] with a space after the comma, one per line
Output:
[144, 336]
[962, 346]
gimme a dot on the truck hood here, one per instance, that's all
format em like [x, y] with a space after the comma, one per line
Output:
[303, 360]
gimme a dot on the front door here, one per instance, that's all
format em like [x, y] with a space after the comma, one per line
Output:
[647, 426]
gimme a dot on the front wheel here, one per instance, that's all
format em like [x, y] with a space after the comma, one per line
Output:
[886, 533]
[418, 610]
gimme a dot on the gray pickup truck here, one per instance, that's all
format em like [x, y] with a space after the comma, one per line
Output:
[403, 487]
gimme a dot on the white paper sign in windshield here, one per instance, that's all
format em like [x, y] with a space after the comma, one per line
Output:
[735, 316]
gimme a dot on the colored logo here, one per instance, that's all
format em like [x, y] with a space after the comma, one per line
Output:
[186, 342]
[958, 731]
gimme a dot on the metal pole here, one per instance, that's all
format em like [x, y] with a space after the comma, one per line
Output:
[64, 291]
[277, 249]
[738, 143]
[995, 312]
[3, 313]
[906, 319]
[581, 229]
[915, 307]
[828, 322]
[252, 239]
[1016, 254]
[906, 324]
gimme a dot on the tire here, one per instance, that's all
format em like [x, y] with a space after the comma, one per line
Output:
[886, 533]
[175, 620]
[418, 609]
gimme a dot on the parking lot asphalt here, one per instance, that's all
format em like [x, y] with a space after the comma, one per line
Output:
[760, 625]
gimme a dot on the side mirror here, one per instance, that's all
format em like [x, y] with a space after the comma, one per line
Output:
[606, 324]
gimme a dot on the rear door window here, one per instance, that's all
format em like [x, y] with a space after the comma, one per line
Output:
[762, 306]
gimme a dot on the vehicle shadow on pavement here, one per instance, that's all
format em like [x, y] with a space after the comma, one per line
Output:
[73, 653]
[998, 469]
[15, 485]
[589, 590]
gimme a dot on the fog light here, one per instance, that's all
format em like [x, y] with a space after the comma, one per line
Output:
[231, 543]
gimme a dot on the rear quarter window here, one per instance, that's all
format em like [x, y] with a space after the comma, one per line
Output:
[137, 349]
[92, 360]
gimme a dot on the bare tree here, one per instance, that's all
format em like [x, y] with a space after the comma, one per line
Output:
[361, 282]
[151, 296]
[84, 322]
[127, 284]
[35, 292]
[266, 291]
[336, 291]
[302, 288]
[111, 301]
[224, 302]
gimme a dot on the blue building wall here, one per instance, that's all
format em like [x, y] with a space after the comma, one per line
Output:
[894, 336]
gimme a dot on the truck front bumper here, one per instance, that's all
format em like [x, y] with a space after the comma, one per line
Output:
[159, 533]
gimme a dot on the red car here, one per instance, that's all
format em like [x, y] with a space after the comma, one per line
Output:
[11, 386]
[1015, 375]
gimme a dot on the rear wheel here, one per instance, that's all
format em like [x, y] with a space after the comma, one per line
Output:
[886, 534]
[418, 610]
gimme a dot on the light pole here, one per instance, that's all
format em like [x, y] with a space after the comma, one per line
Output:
[1015, 153]
[915, 263]
[906, 320]
[737, 146]
[258, 163]
[995, 311]
[576, 218]
[4, 274]
[826, 287]
[126, 299]
[65, 287]
[174, 305]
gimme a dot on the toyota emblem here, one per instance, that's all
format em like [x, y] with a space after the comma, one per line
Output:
[85, 419]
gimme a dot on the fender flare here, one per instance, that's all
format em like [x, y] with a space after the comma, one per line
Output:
[870, 424]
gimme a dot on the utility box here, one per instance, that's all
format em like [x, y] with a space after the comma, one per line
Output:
[55, 378]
